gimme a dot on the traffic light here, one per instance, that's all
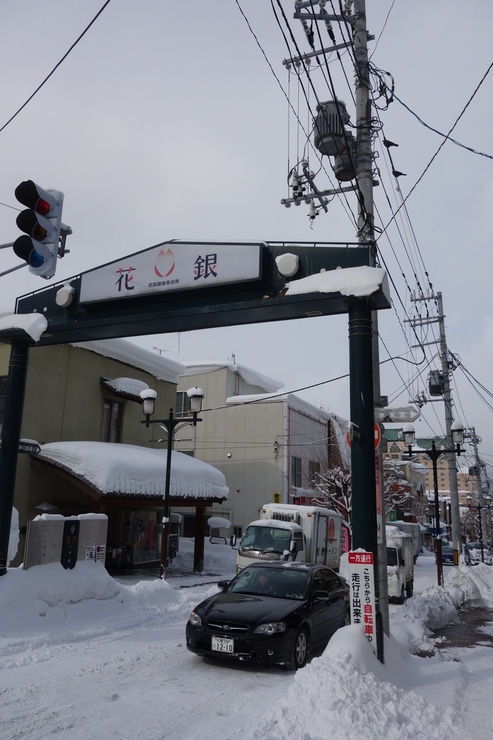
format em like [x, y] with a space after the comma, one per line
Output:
[42, 222]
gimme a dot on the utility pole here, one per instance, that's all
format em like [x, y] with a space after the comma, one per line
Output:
[447, 398]
[482, 486]
[366, 235]
[353, 160]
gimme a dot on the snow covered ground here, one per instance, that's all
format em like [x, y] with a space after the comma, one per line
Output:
[83, 655]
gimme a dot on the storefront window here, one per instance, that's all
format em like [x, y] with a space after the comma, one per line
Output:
[144, 535]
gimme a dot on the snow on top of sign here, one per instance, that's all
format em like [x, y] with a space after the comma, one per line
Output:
[33, 324]
[350, 281]
[252, 377]
[129, 470]
[131, 354]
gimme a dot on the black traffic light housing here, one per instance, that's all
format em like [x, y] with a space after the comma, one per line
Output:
[42, 223]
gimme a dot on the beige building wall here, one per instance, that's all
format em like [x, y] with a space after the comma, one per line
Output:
[238, 441]
[252, 442]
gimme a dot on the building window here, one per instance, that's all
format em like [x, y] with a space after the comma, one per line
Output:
[112, 421]
[3, 393]
[313, 471]
[182, 406]
[296, 472]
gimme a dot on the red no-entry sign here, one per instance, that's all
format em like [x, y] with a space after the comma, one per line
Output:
[377, 432]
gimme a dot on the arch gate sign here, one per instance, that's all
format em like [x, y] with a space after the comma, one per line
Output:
[182, 286]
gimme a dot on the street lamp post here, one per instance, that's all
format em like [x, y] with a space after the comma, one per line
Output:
[171, 425]
[457, 437]
[479, 507]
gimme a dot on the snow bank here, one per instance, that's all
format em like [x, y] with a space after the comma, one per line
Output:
[347, 693]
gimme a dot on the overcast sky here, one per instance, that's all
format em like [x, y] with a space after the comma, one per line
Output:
[168, 121]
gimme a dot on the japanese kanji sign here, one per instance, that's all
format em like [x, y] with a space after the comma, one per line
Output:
[362, 593]
[171, 268]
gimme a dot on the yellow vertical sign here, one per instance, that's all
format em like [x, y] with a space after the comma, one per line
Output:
[276, 498]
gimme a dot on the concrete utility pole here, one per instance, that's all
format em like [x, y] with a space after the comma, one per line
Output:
[367, 234]
[447, 398]
[482, 482]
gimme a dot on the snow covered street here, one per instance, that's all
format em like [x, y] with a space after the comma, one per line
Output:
[83, 655]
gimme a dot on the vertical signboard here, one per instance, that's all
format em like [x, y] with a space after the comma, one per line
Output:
[70, 543]
[362, 593]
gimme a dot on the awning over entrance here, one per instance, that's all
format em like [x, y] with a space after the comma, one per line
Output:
[121, 475]
[129, 471]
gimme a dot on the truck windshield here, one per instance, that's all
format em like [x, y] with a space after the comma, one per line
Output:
[391, 556]
[267, 539]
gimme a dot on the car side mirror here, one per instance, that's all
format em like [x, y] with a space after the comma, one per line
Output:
[232, 540]
[223, 584]
[322, 595]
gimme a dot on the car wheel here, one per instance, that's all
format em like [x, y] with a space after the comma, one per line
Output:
[409, 589]
[300, 651]
[400, 600]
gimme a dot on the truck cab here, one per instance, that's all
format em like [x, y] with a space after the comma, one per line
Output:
[308, 534]
[269, 539]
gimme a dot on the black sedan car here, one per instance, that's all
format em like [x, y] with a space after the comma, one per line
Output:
[271, 613]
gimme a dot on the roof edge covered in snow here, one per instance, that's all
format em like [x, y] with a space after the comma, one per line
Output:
[123, 350]
[252, 377]
[129, 471]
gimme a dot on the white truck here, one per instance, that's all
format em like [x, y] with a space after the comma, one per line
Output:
[400, 564]
[307, 534]
[414, 530]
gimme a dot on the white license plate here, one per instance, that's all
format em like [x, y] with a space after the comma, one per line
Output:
[222, 644]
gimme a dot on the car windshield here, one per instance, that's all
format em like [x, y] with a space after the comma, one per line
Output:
[267, 539]
[447, 548]
[285, 583]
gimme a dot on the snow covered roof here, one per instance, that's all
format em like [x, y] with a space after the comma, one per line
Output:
[131, 354]
[125, 387]
[277, 523]
[252, 377]
[294, 401]
[122, 470]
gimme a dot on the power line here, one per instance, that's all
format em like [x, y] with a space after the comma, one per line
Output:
[55, 67]
[446, 138]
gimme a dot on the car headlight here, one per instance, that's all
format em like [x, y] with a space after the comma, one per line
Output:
[195, 619]
[270, 628]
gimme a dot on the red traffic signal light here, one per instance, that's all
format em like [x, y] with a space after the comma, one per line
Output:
[42, 222]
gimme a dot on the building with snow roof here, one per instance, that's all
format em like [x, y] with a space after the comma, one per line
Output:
[269, 444]
[83, 408]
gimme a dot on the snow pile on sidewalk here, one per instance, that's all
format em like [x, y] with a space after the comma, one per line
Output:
[347, 693]
[49, 598]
